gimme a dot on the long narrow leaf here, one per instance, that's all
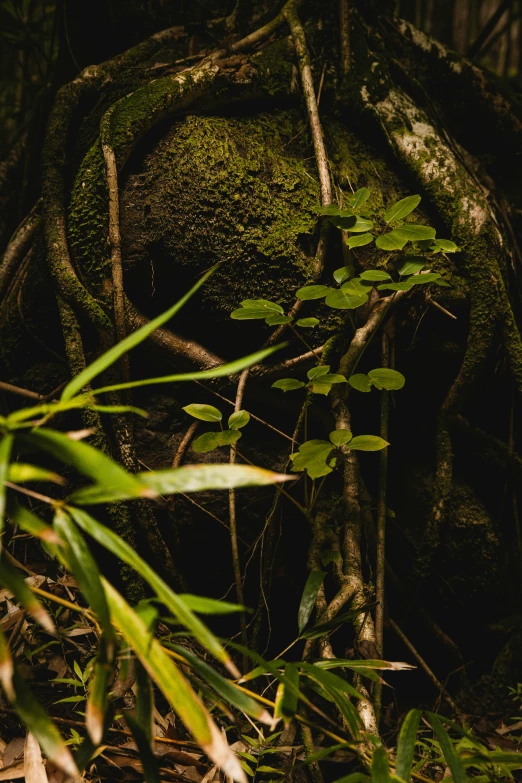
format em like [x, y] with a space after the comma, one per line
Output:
[448, 749]
[190, 478]
[226, 689]
[406, 744]
[97, 699]
[6, 668]
[36, 720]
[144, 701]
[231, 368]
[6, 444]
[380, 766]
[151, 770]
[111, 541]
[130, 342]
[311, 588]
[85, 570]
[87, 460]
[15, 582]
[173, 685]
[30, 523]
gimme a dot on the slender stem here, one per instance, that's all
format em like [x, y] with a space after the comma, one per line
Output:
[422, 663]
[344, 32]
[381, 524]
[306, 345]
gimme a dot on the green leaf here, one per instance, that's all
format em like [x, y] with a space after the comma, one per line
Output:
[316, 372]
[206, 442]
[380, 766]
[174, 603]
[204, 605]
[203, 412]
[323, 384]
[313, 292]
[19, 472]
[6, 668]
[340, 437]
[356, 287]
[275, 320]
[307, 322]
[45, 731]
[367, 443]
[403, 286]
[6, 444]
[144, 701]
[313, 457]
[375, 275]
[390, 241]
[131, 341]
[228, 437]
[289, 697]
[355, 225]
[406, 744]
[340, 300]
[288, 384]
[306, 606]
[360, 381]
[448, 749]
[411, 265]
[343, 273]
[238, 420]
[334, 210]
[446, 245]
[16, 584]
[30, 523]
[264, 304]
[226, 689]
[359, 240]
[359, 198]
[387, 379]
[189, 478]
[85, 570]
[425, 277]
[96, 707]
[173, 685]
[249, 314]
[414, 231]
[87, 460]
[217, 372]
[150, 763]
[401, 208]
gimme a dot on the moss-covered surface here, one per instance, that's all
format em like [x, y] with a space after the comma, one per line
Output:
[231, 190]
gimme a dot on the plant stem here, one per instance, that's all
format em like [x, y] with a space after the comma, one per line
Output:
[381, 523]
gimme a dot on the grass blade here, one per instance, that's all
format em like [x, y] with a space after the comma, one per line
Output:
[231, 368]
[311, 588]
[6, 444]
[380, 766]
[6, 668]
[173, 685]
[226, 689]
[448, 749]
[111, 541]
[130, 342]
[16, 584]
[406, 744]
[190, 478]
[151, 772]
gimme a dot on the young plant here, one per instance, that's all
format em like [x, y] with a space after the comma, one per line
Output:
[209, 441]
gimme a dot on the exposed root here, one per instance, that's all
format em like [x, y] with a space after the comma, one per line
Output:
[18, 247]
[180, 347]
[262, 33]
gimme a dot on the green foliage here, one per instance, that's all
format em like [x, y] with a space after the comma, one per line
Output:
[318, 458]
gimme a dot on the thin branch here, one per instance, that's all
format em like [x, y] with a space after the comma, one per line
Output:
[422, 663]
[380, 569]
[344, 35]
[179, 346]
[120, 326]
[290, 14]
[266, 31]
[184, 443]
[17, 247]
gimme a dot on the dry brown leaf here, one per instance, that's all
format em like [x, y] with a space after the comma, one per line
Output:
[14, 772]
[13, 751]
[34, 766]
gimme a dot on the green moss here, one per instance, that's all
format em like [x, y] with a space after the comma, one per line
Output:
[230, 189]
